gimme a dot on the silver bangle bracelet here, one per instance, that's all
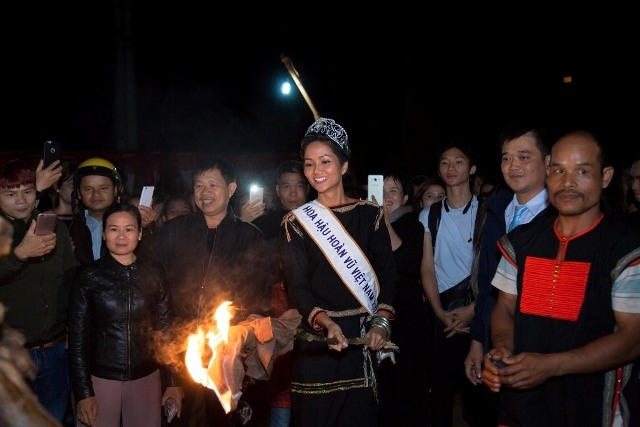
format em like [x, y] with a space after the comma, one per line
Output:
[382, 323]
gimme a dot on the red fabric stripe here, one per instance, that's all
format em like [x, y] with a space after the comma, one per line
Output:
[616, 396]
[554, 289]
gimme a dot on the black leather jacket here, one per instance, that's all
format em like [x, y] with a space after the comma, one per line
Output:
[114, 315]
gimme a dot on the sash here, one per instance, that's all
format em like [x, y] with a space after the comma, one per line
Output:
[342, 252]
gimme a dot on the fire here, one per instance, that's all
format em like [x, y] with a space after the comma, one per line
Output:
[207, 372]
[220, 356]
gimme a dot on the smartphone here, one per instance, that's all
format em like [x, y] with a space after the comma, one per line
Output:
[170, 409]
[499, 363]
[256, 193]
[146, 197]
[46, 224]
[375, 184]
[51, 152]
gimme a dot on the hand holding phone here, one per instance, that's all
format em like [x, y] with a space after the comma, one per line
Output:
[375, 184]
[170, 409]
[146, 197]
[45, 224]
[51, 153]
[256, 194]
[499, 363]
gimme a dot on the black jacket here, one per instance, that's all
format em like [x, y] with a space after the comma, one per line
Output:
[115, 314]
[205, 267]
[36, 291]
[81, 237]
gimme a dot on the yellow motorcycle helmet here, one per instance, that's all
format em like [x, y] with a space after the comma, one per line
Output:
[97, 166]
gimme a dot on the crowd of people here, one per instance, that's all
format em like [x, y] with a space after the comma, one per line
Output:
[520, 297]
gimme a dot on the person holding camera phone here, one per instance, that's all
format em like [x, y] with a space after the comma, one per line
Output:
[97, 184]
[252, 205]
[35, 278]
[292, 190]
[61, 193]
[120, 310]
[45, 178]
[402, 385]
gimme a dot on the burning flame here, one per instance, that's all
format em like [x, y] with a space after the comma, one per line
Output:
[204, 371]
[220, 355]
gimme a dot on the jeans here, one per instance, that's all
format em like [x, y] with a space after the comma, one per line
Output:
[280, 417]
[52, 384]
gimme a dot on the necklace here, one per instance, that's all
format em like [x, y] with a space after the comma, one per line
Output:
[466, 208]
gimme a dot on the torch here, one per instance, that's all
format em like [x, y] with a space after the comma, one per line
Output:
[296, 78]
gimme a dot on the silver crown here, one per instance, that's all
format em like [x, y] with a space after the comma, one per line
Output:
[333, 131]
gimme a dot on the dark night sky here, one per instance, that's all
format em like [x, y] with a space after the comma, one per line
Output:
[400, 80]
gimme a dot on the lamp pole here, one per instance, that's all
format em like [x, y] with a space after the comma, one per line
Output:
[296, 78]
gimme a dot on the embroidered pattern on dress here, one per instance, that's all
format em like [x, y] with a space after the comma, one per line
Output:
[347, 313]
[327, 387]
[554, 289]
[343, 313]
[388, 308]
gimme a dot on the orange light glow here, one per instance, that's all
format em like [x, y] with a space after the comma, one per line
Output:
[206, 372]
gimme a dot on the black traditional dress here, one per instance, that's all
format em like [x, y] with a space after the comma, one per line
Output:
[564, 302]
[332, 388]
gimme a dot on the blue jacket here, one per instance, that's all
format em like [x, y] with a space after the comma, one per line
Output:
[493, 228]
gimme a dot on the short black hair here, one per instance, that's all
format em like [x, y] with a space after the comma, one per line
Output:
[401, 178]
[215, 162]
[463, 145]
[516, 130]
[121, 207]
[289, 166]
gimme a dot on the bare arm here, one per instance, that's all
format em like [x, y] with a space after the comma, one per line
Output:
[502, 322]
[249, 211]
[605, 353]
[502, 329]
[333, 330]
[428, 278]
[46, 177]
[396, 241]
[527, 370]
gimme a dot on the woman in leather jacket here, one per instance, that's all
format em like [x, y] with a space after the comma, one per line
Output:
[119, 313]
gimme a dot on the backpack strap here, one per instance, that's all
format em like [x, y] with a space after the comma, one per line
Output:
[435, 212]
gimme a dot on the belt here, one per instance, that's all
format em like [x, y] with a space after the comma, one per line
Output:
[62, 338]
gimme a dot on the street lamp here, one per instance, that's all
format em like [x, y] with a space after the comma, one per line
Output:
[296, 78]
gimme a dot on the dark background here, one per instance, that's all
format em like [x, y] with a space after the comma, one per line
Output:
[140, 77]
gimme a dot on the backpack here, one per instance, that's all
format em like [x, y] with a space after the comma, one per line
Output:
[435, 213]
[466, 291]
